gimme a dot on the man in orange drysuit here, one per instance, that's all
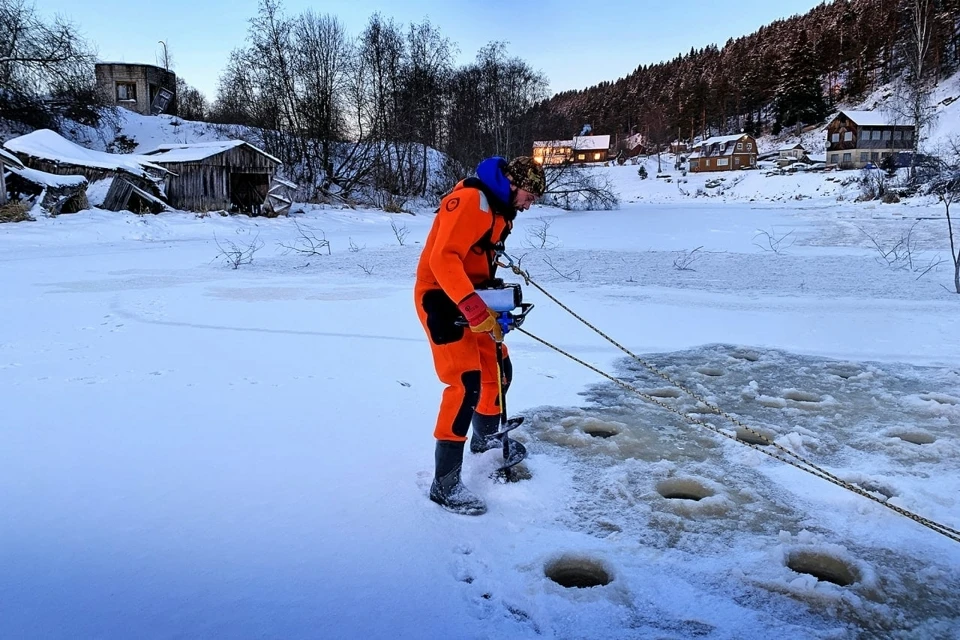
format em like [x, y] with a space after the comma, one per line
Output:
[458, 257]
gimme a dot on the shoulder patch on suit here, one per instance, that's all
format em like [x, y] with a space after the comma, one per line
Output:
[453, 203]
[484, 205]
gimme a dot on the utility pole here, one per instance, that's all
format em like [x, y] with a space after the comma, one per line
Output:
[166, 59]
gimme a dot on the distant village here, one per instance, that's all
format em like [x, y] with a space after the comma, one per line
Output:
[854, 140]
[236, 176]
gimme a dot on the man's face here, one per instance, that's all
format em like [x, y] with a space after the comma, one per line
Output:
[522, 199]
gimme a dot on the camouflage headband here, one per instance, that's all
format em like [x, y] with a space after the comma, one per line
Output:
[527, 175]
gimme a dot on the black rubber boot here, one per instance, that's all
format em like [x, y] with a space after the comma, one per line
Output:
[447, 490]
[482, 438]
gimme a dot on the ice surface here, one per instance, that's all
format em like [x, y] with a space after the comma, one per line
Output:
[763, 510]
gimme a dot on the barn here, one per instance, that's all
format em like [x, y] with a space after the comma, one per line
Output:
[230, 175]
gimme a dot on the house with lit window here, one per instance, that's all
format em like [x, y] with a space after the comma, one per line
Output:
[579, 150]
[143, 88]
[724, 153]
[858, 138]
[552, 152]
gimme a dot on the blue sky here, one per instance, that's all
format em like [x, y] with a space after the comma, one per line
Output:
[574, 42]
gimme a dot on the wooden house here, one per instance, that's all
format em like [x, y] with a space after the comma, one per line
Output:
[230, 175]
[724, 153]
[579, 149]
[790, 154]
[857, 138]
[552, 152]
[588, 149]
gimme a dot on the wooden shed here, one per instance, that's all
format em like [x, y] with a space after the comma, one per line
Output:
[230, 175]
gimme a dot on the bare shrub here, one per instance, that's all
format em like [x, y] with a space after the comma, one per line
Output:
[307, 243]
[400, 231]
[772, 242]
[236, 255]
[898, 254]
[685, 259]
[873, 184]
[539, 236]
[570, 275]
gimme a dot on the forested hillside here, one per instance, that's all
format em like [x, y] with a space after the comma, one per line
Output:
[792, 70]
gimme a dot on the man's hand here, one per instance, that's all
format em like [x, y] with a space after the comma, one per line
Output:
[480, 317]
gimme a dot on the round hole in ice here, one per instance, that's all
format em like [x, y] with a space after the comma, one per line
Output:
[801, 396]
[577, 572]
[917, 437]
[710, 371]
[752, 436]
[664, 393]
[876, 487]
[683, 489]
[600, 430]
[841, 373]
[824, 567]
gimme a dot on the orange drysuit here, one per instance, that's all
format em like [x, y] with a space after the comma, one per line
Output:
[458, 257]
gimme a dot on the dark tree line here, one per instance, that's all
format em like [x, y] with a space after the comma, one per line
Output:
[792, 71]
[352, 113]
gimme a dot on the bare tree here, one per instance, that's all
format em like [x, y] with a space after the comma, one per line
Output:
[573, 187]
[191, 104]
[657, 132]
[913, 88]
[322, 63]
[947, 189]
[46, 69]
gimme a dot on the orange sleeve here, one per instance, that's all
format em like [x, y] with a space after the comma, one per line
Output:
[461, 225]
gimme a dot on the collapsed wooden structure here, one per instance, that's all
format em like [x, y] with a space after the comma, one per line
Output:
[230, 175]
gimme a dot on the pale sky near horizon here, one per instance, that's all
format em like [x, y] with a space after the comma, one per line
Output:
[577, 44]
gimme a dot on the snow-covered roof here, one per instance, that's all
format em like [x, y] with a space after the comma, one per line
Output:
[537, 144]
[591, 143]
[873, 119]
[724, 144]
[48, 179]
[45, 144]
[793, 147]
[197, 151]
[10, 159]
[578, 143]
[721, 140]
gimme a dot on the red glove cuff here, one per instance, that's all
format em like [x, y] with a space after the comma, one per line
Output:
[474, 309]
